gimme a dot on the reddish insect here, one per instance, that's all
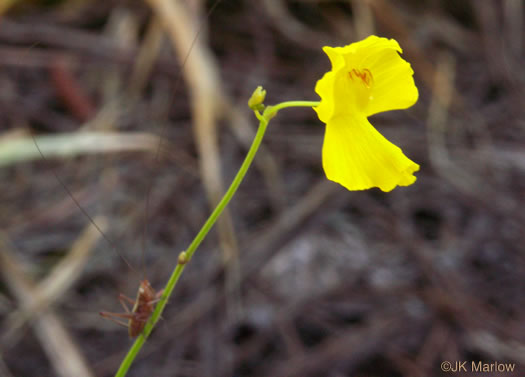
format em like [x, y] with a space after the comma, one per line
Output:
[143, 306]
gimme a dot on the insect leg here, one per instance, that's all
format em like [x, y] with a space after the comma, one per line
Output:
[111, 316]
[122, 298]
[158, 296]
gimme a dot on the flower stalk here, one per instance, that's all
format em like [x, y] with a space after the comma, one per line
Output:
[185, 256]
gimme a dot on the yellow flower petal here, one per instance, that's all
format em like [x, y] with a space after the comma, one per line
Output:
[358, 157]
[371, 76]
[367, 77]
[393, 86]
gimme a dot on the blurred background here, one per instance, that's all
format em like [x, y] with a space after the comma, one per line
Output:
[300, 277]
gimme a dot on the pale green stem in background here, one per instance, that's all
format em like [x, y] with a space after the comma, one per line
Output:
[186, 256]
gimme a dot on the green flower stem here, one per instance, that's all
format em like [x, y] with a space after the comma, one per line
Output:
[275, 108]
[186, 256]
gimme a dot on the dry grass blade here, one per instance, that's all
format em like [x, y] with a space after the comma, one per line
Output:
[60, 279]
[73, 144]
[146, 57]
[501, 348]
[206, 89]
[63, 353]
[5, 5]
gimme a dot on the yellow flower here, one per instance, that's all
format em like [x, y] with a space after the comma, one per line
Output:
[367, 77]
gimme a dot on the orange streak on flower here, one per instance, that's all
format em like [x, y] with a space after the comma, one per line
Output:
[365, 75]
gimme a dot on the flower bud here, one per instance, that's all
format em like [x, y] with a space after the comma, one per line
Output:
[256, 100]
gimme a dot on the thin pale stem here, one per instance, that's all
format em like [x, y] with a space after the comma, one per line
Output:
[268, 113]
